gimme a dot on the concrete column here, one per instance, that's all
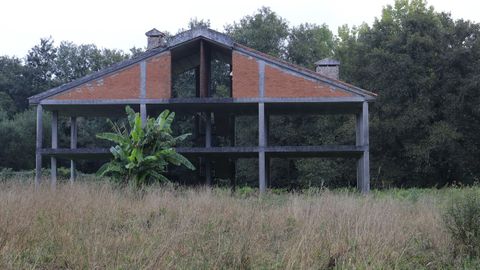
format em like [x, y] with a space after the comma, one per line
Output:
[143, 114]
[208, 144]
[143, 92]
[38, 155]
[73, 145]
[267, 158]
[53, 160]
[208, 129]
[362, 139]
[204, 70]
[262, 130]
[262, 143]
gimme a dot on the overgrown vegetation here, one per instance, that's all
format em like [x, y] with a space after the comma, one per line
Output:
[93, 225]
[143, 151]
[462, 220]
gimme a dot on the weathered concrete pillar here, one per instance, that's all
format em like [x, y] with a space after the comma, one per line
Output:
[233, 161]
[73, 145]
[38, 154]
[262, 132]
[262, 143]
[208, 144]
[53, 160]
[143, 114]
[362, 139]
[203, 90]
[143, 92]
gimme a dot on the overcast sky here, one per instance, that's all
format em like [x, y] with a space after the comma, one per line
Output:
[122, 24]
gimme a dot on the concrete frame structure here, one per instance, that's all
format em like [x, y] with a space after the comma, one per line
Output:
[261, 85]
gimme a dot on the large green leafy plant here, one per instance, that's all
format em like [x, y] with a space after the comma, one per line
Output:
[142, 153]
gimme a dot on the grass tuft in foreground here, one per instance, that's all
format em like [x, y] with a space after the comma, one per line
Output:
[95, 225]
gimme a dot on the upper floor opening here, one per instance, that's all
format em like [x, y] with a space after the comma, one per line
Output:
[201, 68]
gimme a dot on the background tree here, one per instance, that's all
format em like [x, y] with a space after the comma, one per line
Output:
[308, 43]
[264, 31]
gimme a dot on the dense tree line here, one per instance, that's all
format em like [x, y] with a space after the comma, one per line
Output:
[424, 66]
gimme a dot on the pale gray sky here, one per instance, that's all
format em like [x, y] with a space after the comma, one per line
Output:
[121, 24]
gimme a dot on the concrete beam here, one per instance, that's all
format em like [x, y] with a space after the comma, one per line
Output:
[205, 100]
[346, 151]
[38, 155]
[53, 160]
[73, 145]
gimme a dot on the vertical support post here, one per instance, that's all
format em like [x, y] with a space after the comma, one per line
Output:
[362, 139]
[73, 145]
[143, 92]
[208, 129]
[204, 70]
[208, 144]
[262, 142]
[267, 157]
[262, 132]
[143, 113]
[233, 161]
[204, 91]
[233, 168]
[53, 160]
[38, 154]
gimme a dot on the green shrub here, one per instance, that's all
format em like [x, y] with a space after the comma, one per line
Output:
[462, 219]
[143, 151]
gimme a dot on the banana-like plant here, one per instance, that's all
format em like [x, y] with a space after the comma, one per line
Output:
[142, 154]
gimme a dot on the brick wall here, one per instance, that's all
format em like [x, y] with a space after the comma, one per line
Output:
[159, 76]
[245, 76]
[124, 84]
[279, 83]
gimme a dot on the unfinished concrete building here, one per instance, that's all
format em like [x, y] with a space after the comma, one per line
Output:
[258, 84]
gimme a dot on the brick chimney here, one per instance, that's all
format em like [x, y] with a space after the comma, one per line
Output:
[328, 67]
[155, 39]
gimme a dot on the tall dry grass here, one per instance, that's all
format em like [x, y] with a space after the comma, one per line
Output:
[97, 226]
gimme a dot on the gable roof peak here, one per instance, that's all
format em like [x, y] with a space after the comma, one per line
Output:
[154, 33]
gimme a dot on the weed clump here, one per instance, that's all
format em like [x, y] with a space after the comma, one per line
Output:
[462, 219]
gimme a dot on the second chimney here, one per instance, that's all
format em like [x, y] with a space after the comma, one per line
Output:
[155, 39]
[328, 67]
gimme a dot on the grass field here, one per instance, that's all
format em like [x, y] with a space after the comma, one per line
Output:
[93, 225]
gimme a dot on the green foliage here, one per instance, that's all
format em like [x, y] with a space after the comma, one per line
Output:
[308, 43]
[246, 192]
[141, 154]
[17, 139]
[462, 219]
[424, 67]
[14, 84]
[264, 31]
[76, 61]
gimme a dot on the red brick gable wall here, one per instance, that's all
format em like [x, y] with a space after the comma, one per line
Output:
[159, 76]
[279, 83]
[124, 84]
[245, 76]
